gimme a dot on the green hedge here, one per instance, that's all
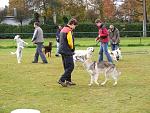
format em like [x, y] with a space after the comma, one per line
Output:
[82, 30]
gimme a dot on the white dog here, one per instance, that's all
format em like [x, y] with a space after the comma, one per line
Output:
[83, 53]
[116, 54]
[20, 46]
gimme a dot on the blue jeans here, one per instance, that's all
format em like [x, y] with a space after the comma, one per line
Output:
[114, 46]
[104, 48]
[38, 52]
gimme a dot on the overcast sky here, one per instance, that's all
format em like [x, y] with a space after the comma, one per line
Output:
[3, 3]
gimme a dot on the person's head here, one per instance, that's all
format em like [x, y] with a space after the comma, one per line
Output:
[98, 22]
[72, 23]
[36, 24]
[111, 27]
[59, 27]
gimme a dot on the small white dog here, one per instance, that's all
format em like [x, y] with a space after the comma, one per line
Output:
[20, 46]
[116, 54]
[83, 53]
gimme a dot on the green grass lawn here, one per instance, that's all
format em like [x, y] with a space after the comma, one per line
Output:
[28, 85]
[80, 42]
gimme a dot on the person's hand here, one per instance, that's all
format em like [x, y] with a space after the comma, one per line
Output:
[57, 39]
[97, 39]
[33, 42]
[103, 37]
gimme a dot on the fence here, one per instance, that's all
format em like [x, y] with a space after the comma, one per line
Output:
[76, 34]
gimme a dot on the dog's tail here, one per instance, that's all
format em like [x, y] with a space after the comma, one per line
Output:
[13, 53]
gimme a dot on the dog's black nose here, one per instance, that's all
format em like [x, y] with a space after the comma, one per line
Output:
[117, 57]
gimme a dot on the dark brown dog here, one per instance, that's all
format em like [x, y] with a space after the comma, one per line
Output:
[48, 49]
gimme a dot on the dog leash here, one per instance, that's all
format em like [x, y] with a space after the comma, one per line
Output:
[97, 43]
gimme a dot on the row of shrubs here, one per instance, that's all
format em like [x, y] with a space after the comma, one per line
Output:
[82, 30]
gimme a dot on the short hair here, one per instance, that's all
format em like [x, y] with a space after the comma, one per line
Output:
[98, 21]
[111, 26]
[73, 21]
[37, 23]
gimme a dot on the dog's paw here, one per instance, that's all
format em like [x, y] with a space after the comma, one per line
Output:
[89, 84]
[12, 53]
[115, 84]
[97, 83]
[102, 84]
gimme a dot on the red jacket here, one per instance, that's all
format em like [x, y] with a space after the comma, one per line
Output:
[103, 32]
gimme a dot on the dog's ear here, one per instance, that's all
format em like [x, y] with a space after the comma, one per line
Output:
[112, 53]
[92, 48]
[87, 48]
[17, 37]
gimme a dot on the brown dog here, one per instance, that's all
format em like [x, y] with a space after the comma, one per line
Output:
[48, 49]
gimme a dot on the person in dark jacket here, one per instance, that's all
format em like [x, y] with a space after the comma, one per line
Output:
[57, 39]
[66, 49]
[38, 39]
[103, 39]
[114, 36]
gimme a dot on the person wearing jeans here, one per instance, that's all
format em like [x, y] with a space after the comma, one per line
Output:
[104, 49]
[38, 40]
[114, 36]
[103, 39]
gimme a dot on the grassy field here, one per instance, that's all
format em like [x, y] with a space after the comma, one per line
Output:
[28, 85]
[80, 42]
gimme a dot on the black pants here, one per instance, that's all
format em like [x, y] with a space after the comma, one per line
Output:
[68, 68]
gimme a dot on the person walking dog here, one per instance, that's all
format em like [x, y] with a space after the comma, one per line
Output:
[114, 36]
[38, 40]
[103, 39]
[66, 49]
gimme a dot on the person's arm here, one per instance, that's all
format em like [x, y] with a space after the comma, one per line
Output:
[117, 36]
[34, 35]
[70, 40]
[24, 42]
[57, 36]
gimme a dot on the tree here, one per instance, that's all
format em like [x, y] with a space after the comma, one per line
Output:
[91, 15]
[104, 8]
[22, 9]
[36, 17]
[109, 9]
[148, 9]
[47, 8]
[74, 8]
[131, 10]
[3, 13]
[97, 6]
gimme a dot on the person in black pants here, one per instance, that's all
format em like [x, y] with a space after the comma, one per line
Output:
[66, 49]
